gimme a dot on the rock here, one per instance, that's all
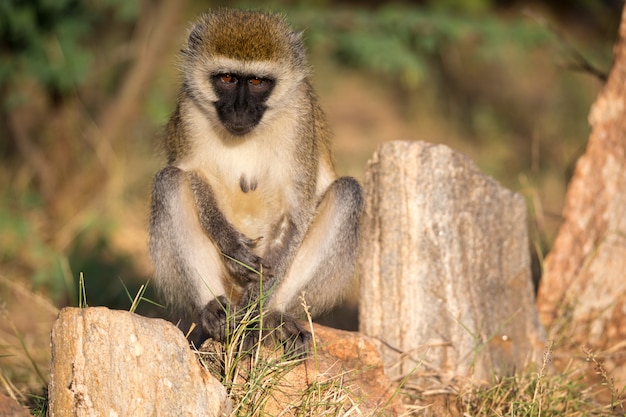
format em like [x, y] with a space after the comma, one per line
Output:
[445, 267]
[115, 363]
[582, 294]
[11, 408]
[370, 388]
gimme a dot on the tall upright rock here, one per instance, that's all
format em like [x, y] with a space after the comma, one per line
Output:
[445, 266]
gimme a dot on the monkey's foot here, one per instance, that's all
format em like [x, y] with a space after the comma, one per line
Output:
[220, 321]
[277, 327]
[215, 317]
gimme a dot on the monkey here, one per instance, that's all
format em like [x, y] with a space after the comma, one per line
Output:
[249, 202]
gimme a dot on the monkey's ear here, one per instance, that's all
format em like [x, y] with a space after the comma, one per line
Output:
[297, 46]
[194, 40]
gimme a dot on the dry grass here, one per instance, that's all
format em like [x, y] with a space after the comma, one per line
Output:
[532, 392]
[267, 381]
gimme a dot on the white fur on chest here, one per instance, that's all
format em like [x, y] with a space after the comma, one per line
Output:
[260, 161]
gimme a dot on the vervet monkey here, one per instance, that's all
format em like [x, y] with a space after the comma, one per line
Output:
[250, 181]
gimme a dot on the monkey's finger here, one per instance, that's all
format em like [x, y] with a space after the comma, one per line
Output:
[266, 269]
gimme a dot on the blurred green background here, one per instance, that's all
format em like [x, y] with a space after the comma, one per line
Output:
[87, 87]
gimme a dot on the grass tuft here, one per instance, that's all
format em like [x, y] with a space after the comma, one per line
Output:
[530, 393]
[266, 380]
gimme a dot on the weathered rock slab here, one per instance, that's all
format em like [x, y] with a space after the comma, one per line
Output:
[445, 267]
[115, 363]
[583, 289]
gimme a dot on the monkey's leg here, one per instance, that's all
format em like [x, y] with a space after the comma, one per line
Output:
[188, 266]
[324, 263]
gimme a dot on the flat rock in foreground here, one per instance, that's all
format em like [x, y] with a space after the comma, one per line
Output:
[115, 363]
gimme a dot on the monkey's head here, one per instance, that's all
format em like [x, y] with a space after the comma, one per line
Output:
[239, 65]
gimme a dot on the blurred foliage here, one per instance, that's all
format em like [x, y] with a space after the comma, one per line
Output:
[403, 43]
[50, 41]
[47, 61]
[478, 66]
[21, 244]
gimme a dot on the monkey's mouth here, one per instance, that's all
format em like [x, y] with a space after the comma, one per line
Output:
[238, 124]
[239, 129]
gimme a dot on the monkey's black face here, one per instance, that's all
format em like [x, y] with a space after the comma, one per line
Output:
[241, 101]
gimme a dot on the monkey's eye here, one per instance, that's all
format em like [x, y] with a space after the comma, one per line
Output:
[260, 85]
[228, 79]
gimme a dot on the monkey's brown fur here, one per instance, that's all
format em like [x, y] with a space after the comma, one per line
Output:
[250, 176]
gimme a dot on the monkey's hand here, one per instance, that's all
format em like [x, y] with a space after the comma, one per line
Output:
[241, 262]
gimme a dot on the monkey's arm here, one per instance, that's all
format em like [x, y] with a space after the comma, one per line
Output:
[188, 237]
[236, 247]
